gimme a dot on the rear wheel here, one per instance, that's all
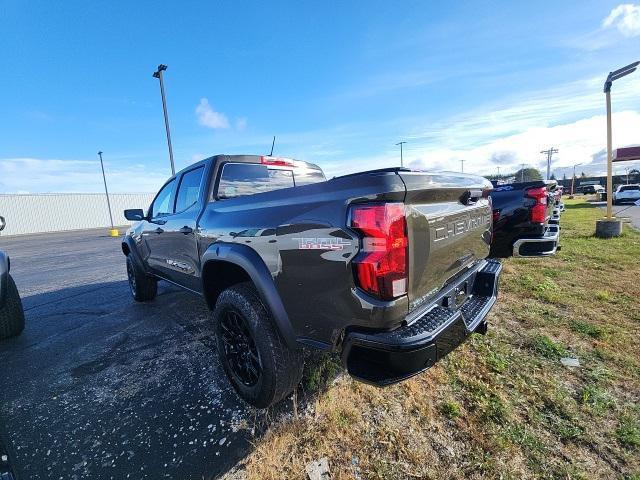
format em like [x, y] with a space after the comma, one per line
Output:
[142, 286]
[11, 314]
[259, 364]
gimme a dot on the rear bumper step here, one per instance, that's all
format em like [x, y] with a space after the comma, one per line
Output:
[540, 246]
[383, 358]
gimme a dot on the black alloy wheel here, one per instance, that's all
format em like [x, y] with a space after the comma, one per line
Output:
[240, 351]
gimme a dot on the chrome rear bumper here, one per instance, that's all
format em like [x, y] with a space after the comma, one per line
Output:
[540, 246]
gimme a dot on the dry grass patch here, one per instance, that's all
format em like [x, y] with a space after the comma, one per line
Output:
[502, 405]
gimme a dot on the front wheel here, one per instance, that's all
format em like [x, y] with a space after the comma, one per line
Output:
[11, 314]
[142, 286]
[259, 364]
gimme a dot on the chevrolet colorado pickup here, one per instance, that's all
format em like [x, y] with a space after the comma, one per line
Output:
[525, 219]
[387, 267]
[11, 312]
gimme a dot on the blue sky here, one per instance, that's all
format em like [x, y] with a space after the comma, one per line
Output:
[492, 83]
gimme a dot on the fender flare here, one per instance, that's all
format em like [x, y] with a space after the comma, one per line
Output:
[249, 260]
[5, 264]
[133, 251]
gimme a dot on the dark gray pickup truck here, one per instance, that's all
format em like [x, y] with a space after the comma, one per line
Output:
[387, 267]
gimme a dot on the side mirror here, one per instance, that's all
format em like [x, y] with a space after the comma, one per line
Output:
[2, 223]
[134, 214]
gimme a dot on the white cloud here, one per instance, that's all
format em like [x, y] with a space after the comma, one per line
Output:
[626, 18]
[508, 133]
[208, 117]
[578, 142]
[54, 175]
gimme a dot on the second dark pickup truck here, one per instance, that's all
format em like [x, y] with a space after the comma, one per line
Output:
[525, 219]
[387, 267]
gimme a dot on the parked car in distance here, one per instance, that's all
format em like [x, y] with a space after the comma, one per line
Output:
[626, 193]
[525, 220]
[11, 311]
[591, 189]
[387, 267]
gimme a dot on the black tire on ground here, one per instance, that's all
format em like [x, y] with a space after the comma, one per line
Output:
[143, 287]
[274, 369]
[11, 314]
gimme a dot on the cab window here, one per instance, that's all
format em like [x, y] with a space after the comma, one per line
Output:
[189, 190]
[239, 179]
[163, 204]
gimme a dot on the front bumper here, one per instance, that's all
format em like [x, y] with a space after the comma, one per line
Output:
[383, 358]
[543, 246]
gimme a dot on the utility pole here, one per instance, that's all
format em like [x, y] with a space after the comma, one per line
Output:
[627, 169]
[498, 170]
[401, 159]
[158, 74]
[113, 232]
[462, 166]
[522, 165]
[549, 153]
[573, 178]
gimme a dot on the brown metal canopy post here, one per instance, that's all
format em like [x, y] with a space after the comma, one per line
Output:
[613, 76]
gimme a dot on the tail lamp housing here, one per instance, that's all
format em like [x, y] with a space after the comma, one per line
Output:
[381, 266]
[538, 213]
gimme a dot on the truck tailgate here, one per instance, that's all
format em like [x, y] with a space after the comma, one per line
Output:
[449, 228]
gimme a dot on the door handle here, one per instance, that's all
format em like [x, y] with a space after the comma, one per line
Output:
[159, 230]
[186, 230]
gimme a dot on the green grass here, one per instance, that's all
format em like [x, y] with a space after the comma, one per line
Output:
[450, 409]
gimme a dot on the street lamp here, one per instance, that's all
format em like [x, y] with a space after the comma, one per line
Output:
[401, 160]
[613, 76]
[158, 74]
[114, 231]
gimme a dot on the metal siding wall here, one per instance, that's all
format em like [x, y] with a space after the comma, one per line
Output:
[57, 212]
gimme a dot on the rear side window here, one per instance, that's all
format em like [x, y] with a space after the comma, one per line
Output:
[189, 189]
[240, 179]
[163, 204]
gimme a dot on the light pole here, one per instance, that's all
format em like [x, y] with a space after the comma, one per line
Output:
[522, 165]
[462, 166]
[573, 178]
[613, 76]
[113, 232]
[401, 159]
[498, 170]
[627, 170]
[158, 74]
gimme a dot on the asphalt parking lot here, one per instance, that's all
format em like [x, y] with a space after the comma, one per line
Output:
[99, 386]
[625, 210]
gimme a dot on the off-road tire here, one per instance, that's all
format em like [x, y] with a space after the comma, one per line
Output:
[11, 314]
[281, 366]
[142, 286]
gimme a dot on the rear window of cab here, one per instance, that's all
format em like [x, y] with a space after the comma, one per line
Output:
[241, 179]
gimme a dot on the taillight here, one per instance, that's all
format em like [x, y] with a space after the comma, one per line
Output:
[539, 210]
[275, 161]
[381, 266]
